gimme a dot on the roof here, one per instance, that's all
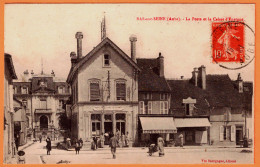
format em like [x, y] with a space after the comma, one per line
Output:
[158, 125]
[219, 92]
[104, 42]
[10, 65]
[149, 79]
[191, 122]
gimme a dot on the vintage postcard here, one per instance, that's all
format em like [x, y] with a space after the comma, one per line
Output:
[129, 83]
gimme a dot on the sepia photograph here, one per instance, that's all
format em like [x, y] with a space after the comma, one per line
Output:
[129, 83]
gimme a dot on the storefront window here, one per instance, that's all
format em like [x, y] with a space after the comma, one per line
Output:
[120, 123]
[96, 124]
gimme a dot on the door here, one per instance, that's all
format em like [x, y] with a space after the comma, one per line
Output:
[44, 122]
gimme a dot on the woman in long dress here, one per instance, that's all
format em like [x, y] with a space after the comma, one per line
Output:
[160, 143]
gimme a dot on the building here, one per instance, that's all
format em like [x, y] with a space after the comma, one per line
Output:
[20, 124]
[211, 98]
[154, 96]
[104, 90]
[44, 97]
[9, 148]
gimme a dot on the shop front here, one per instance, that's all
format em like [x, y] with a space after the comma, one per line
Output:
[150, 128]
[193, 131]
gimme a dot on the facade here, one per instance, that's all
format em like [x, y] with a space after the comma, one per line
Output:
[9, 75]
[104, 91]
[20, 124]
[154, 96]
[213, 98]
[44, 97]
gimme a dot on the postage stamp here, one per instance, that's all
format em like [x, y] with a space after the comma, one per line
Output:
[232, 44]
[228, 42]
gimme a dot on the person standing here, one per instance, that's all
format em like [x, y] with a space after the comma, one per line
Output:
[113, 143]
[160, 143]
[77, 146]
[123, 139]
[102, 139]
[181, 140]
[40, 138]
[17, 141]
[81, 142]
[48, 146]
[126, 140]
[117, 136]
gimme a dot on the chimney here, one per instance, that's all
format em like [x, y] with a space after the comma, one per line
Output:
[195, 73]
[26, 75]
[160, 61]
[73, 58]
[239, 83]
[182, 77]
[32, 73]
[79, 37]
[52, 73]
[202, 77]
[133, 40]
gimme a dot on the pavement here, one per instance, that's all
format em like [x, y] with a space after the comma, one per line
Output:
[36, 154]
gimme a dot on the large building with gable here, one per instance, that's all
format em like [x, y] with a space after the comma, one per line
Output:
[104, 90]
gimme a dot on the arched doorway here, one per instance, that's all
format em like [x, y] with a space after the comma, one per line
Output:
[44, 122]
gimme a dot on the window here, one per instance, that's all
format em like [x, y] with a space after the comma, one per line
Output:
[149, 107]
[94, 91]
[106, 60]
[189, 109]
[43, 104]
[163, 107]
[61, 90]
[96, 124]
[15, 90]
[141, 107]
[120, 123]
[164, 96]
[148, 96]
[61, 102]
[120, 90]
[24, 102]
[24, 90]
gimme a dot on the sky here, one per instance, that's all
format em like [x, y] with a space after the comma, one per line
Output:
[38, 34]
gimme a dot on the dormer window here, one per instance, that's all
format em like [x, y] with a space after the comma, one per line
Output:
[189, 106]
[189, 109]
[106, 60]
[24, 90]
[60, 89]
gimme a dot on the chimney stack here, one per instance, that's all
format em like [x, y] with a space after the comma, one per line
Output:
[79, 37]
[73, 58]
[26, 75]
[240, 83]
[202, 77]
[133, 40]
[160, 61]
[195, 73]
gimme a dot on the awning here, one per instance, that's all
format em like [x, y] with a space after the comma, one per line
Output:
[158, 125]
[191, 122]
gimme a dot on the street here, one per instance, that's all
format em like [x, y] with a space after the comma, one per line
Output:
[36, 154]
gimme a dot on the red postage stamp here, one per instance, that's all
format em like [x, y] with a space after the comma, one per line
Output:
[228, 42]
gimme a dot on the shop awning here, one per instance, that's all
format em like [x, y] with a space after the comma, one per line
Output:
[191, 122]
[158, 125]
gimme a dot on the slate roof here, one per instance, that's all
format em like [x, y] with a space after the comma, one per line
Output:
[149, 79]
[104, 42]
[220, 92]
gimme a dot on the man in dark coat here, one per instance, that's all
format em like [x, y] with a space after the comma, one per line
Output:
[48, 146]
[113, 144]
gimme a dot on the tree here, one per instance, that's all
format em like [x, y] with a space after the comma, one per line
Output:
[64, 122]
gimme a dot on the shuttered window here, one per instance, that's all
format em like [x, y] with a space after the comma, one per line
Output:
[149, 107]
[120, 90]
[141, 107]
[94, 91]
